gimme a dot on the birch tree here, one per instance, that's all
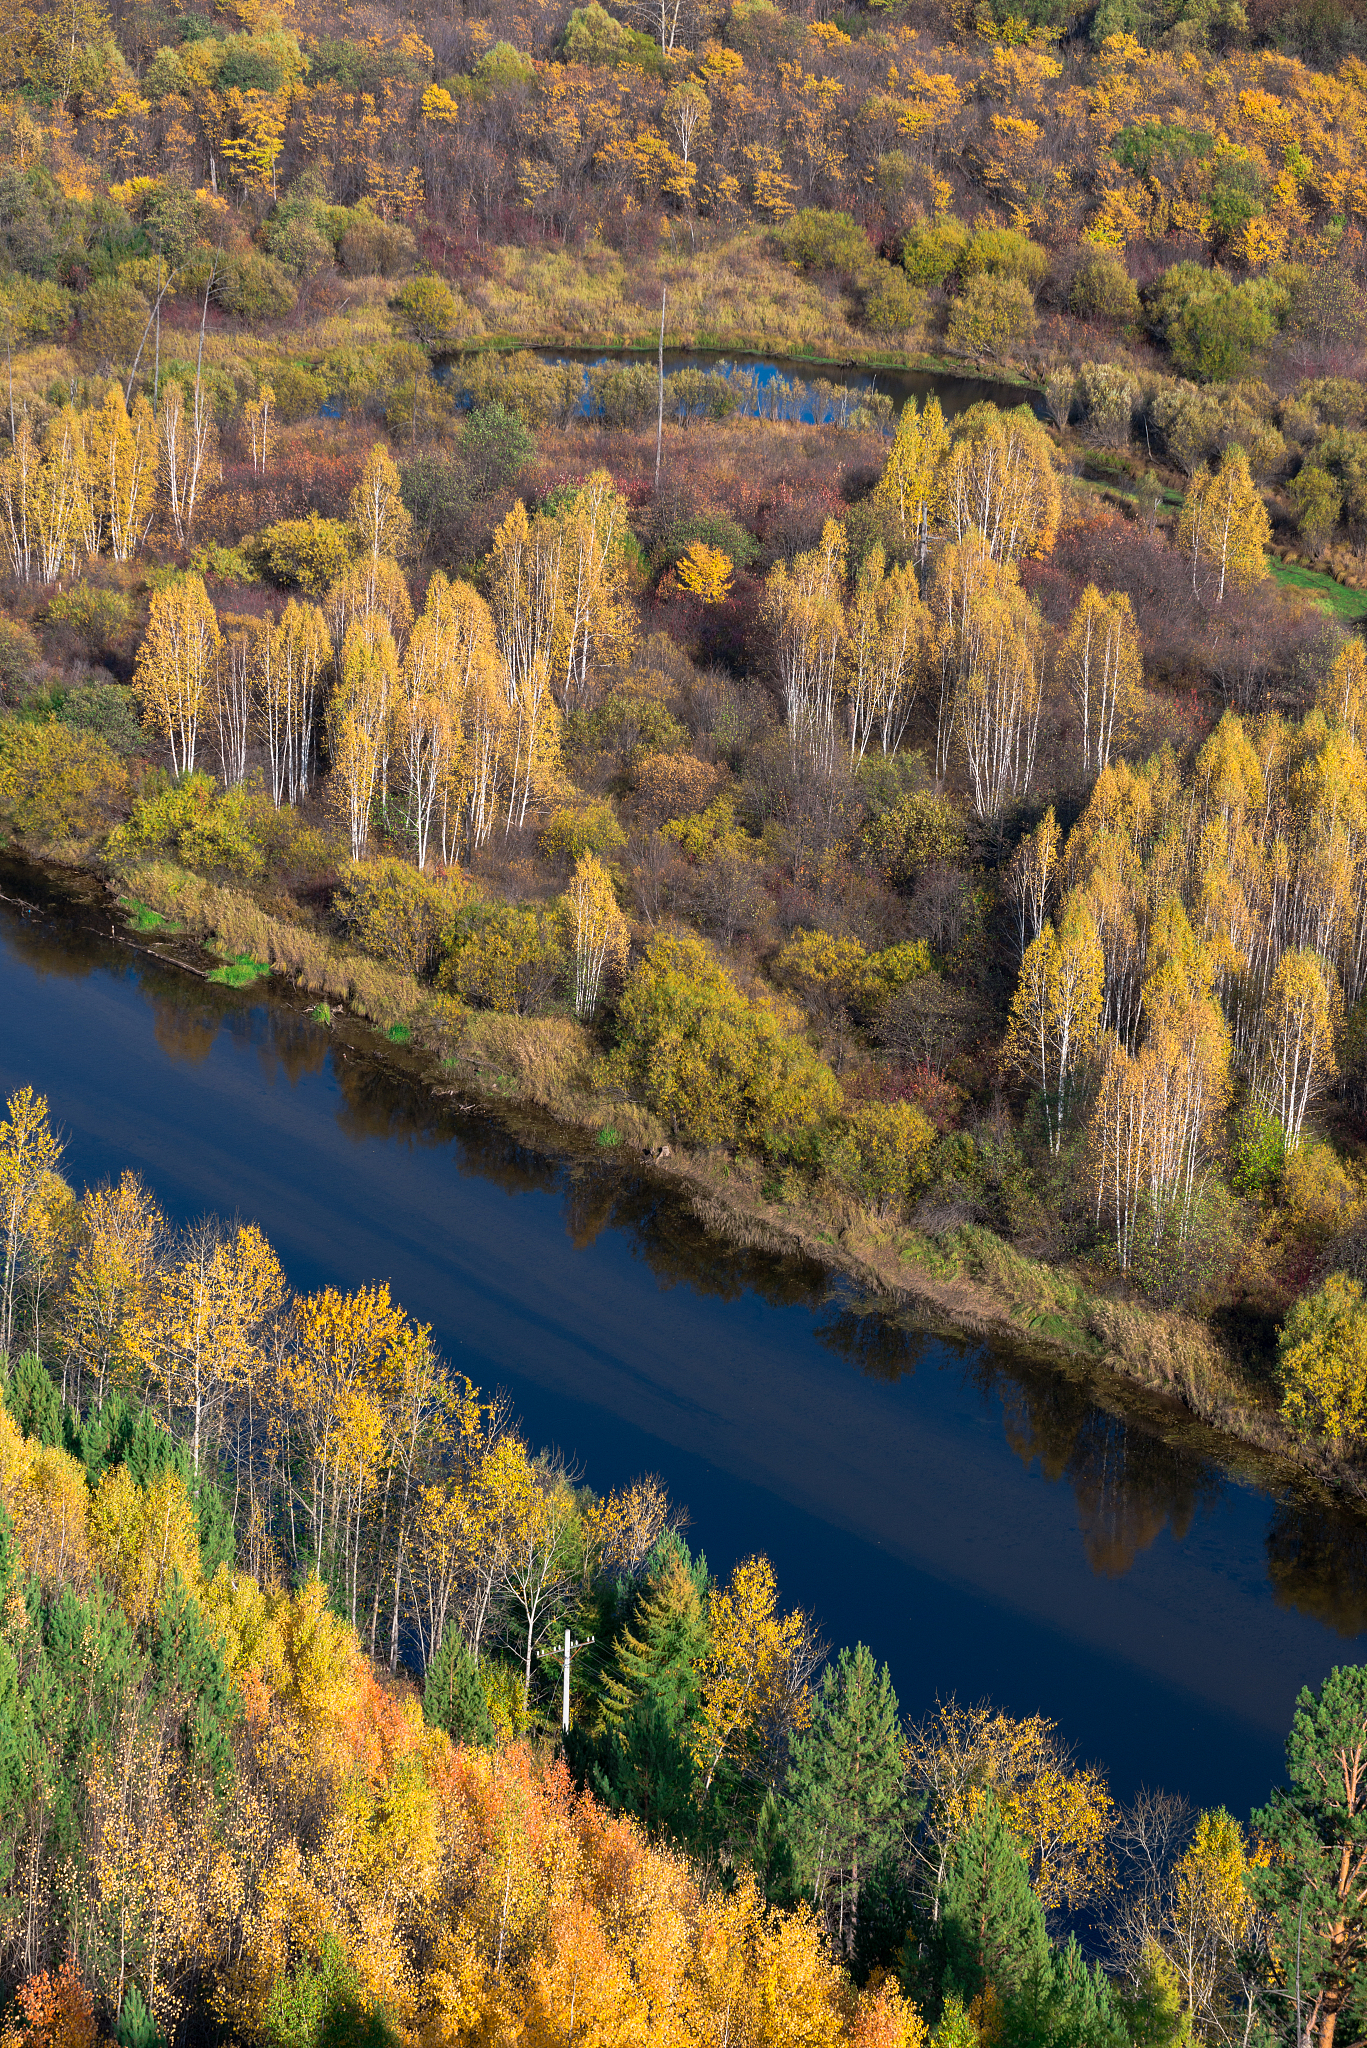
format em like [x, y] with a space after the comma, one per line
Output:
[175, 665]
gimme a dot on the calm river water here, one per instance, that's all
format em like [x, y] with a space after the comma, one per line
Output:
[982, 1524]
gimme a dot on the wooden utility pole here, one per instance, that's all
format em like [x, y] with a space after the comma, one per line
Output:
[570, 1647]
[660, 423]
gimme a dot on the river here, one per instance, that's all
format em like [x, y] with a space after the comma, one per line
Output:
[983, 1523]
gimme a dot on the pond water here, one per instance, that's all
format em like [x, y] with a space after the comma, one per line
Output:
[782, 388]
[983, 1523]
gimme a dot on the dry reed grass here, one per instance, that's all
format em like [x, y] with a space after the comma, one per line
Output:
[734, 294]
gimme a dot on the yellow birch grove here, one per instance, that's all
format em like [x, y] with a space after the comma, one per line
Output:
[1056, 1013]
[909, 497]
[804, 610]
[175, 665]
[1102, 671]
[526, 594]
[291, 660]
[382, 523]
[596, 929]
[887, 652]
[188, 438]
[1224, 528]
[986, 650]
[120, 462]
[359, 716]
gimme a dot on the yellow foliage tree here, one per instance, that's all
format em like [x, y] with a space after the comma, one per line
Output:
[1223, 526]
[755, 1678]
[142, 1536]
[596, 930]
[175, 661]
[706, 572]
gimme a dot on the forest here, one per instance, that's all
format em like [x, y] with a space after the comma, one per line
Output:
[281, 1761]
[784, 585]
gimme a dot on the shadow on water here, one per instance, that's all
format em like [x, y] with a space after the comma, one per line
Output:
[991, 1525]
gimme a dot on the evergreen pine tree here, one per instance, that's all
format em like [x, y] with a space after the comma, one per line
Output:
[453, 1695]
[34, 1401]
[992, 1927]
[845, 1783]
[658, 1653]
[1315, 1883]
[187, 1660]
[643, 1764]
[135, 2026]
[1065, 2004]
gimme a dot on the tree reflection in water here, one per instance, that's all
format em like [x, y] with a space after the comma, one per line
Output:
[1317, 1562]
[1129, 1484]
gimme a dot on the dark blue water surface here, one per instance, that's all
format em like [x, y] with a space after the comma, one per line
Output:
[984, 1525]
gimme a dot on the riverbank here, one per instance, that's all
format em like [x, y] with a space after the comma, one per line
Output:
[963, 1281]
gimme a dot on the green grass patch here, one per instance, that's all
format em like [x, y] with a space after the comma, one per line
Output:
[243, 972]
[608, 1135]
[142, 918]
[1333, 597]
[398, 1034]
[321, 1013]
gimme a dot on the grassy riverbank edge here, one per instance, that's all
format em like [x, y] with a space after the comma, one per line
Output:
[967, 369]
[964, 1283]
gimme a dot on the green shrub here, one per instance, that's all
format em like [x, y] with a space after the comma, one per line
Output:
[401, 916]
[504, 958]
[105, 709]
[296, 237]
[204, 828]
[429, 309]
[994, 315]
[1259, 1155]
[1318, 502]
[892, 304]
[1212, 325]
[933, 251]
[497, 446]
[593, 36]
[883, 1153]
[20, 658]
[1102, 289]
[570, 833]
[521, 382]
[102, 618]
[503, 68]
[720, 1069]
[57, 783]
[299, 393]
[903, 839]
[255, 287]
[1107, 396]
[370, 247]
[1001, 252]
[814, 239]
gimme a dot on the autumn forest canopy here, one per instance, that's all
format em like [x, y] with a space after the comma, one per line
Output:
[284, 1602]
[932, 828]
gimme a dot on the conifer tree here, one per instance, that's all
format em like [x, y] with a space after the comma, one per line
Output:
[453, 1695]
[992, 1926]
[1315, 1881]
[845, 1783]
